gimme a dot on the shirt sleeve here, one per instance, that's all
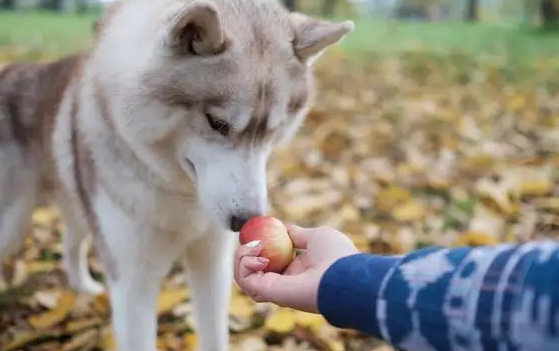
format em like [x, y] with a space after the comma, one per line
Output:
[503, 297]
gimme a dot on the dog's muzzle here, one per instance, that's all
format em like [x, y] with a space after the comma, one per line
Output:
[237, 222]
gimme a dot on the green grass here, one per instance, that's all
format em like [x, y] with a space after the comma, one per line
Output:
[56, 33]
[509, 42]
[70, 32]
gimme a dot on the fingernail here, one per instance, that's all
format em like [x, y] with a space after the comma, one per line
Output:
[253, 244]
[263, 260]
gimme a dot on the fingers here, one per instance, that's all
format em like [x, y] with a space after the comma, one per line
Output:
[249, 265]
[290, 289]
[248, 269]
[250, 249]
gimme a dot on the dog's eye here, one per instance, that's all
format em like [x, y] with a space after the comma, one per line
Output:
[218, 125]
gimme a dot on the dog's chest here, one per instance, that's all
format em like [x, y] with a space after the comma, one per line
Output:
[181, 214]
[159, 209]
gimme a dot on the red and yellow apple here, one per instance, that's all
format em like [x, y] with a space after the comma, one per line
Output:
[275, 241]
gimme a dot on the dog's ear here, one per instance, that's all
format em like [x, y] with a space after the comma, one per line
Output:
[196, 29]
[314, 36]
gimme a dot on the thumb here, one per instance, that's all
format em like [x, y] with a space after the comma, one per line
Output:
[295, 291]
[299, 235]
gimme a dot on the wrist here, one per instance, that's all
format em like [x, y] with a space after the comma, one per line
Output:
[348, 290]
[316, 282]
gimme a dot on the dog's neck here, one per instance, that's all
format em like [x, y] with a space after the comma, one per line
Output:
[98, 126]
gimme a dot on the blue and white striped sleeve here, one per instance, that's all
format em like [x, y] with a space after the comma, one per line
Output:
[493, 298]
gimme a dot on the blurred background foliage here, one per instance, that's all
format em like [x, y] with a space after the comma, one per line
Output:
[511, 29]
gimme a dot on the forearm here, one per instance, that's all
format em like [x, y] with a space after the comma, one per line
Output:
[474, 297]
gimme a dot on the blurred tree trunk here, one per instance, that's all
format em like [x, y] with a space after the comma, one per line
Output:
[472, 11]
[530, 9]
[411, 10]
[7, 4]
[81, 6]
[433, 12]
[51, 5]
[549, 12]
[328, 7]
[291, 5]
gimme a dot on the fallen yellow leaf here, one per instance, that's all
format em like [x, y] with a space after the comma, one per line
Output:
[21, 273]
[81, 341]
[439, 183]
[360, 241]
[22, 339]
[312, 321]
[102, 303]
[330, 337]
[282, 321]
[107, 342]
[384, 247]
[551, 204]
[347, 214]
[404, 241]
[498, 194]
[249, 343]
[163, 342]
[409, 211]
[190, 341]
[60, 312]
[81, 324]
[475, 239]
[515, 103]
[170, 298]
[34, 267]
[535, 188]
[305, 205]
[48, 298]
[241, 306]
[479, 161]
[334, 344]
[390, 197]
[44, 216]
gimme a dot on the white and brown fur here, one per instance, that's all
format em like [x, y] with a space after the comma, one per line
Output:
[119, 139]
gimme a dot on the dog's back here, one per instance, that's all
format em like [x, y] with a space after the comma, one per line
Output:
[30, 94]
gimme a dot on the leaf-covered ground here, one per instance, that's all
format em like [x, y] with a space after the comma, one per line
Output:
[399, 153]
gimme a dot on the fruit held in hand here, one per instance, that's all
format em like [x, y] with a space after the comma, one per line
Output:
[275, 241]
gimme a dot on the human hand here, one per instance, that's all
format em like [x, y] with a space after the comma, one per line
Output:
[297, 286]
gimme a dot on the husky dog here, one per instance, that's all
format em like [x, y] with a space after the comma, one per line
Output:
[156, 141]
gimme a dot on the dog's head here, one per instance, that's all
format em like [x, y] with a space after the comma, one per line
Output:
[204, 90]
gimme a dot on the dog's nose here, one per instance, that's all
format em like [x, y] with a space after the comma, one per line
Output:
[237, 222]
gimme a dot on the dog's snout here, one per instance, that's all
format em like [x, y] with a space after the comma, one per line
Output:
[237, 222]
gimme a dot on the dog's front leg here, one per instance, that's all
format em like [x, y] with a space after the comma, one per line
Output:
[209, 262]
[136, 259]
[133, 301]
